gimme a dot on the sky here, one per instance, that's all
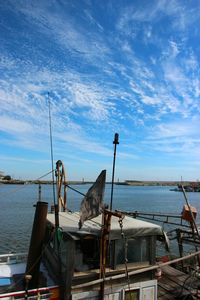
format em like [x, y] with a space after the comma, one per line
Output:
[112, 66]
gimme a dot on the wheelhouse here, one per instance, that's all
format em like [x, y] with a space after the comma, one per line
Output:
[130, 243]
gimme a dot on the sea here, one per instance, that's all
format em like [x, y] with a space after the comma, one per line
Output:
[17, 207]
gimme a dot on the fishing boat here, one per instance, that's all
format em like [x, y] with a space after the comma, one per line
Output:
[82, 255]
[190, 187]
[95, 253]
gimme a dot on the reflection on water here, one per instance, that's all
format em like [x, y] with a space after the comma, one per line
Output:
[17, 211]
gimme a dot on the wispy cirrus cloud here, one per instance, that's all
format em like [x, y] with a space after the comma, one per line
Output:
[177, 129]
[108, 68]
[177, 138]
[12, 125]
[24, 107]
[182, 16]
[49, 19]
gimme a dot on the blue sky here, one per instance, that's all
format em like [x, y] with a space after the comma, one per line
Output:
[130, 67]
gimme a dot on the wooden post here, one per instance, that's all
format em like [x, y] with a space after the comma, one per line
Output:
[35, 248]
[66, 260]
[106, 224]
[180, 245]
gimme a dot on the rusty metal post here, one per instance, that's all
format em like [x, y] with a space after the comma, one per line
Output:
[115, 142]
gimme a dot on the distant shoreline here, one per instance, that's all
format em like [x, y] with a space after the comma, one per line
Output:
[127, 182]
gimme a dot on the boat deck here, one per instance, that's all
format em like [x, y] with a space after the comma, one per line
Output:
[175, 284]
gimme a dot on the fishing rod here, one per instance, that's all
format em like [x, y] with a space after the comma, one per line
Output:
[115, 142]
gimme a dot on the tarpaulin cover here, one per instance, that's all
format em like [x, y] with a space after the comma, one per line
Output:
[131, 227]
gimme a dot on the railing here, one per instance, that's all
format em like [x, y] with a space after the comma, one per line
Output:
[158, 265]
[11, 258]
[51, 292]
[158, 217]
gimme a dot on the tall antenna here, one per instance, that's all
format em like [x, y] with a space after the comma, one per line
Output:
[115, 142]
[51, 143]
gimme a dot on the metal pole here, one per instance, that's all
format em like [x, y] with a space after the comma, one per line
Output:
[115, 142]
[51, 144]
[39, 199]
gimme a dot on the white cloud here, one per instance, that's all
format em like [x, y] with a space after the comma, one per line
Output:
[174, 74]
[150, 100]
[177, 129]
[65, 31]
[174, 49]
[12, 125]
[99, 79]
[90, 97]
[191, 63]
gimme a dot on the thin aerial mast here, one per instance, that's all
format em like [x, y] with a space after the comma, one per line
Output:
[115, 142]
[52, 168]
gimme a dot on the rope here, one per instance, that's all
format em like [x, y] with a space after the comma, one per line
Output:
[45, 175]
[189, 288]
[60, 181]
[75, 190]
[125, 254]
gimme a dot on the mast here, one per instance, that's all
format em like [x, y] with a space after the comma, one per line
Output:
[115, 142]
[53, 179]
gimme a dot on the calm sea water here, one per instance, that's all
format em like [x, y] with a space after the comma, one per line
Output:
[17, 211]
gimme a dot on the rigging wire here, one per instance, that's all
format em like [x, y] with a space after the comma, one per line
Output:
[25, 185]
[75, 190]
[45, 175]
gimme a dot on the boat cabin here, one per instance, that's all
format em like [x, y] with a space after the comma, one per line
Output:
[130, 244]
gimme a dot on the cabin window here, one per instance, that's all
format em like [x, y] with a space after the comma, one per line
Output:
[134, 249]
[87, 254]
[132, 294]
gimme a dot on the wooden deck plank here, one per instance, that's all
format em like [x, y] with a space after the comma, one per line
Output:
[162, 294]
[174, 283]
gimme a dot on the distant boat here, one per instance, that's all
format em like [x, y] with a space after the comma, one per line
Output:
[191, 187]
[121, 183]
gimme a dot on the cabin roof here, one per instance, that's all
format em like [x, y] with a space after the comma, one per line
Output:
[131, 227]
